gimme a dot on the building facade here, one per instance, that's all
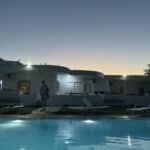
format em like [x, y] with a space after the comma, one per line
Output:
[129, 85]
[22, 82]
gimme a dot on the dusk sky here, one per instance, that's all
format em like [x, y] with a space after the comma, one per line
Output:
[111, 36]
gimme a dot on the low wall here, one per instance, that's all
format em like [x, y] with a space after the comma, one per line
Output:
[121, 100]
[13, 98]
[138, 100]
[76, 100]
[9, 98]
[28, 100]
[63, 100]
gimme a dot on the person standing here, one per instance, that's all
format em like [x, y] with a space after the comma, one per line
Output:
[44, 93]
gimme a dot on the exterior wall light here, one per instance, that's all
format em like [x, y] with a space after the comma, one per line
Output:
[124, 77]
[29, 66]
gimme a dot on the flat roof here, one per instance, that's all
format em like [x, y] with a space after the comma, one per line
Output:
[54, 68]
[128, 77]
[87, 72]
[10, 66]
[113, 76]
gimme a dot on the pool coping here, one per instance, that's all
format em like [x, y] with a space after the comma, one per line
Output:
[45, 116]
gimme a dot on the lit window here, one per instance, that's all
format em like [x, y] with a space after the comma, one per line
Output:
[24, 86]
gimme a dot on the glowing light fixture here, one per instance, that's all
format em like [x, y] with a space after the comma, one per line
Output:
[18, 121]
[13, 124]
[29, 66]
[124, 76]
[67, 142]
[23, 149]
[89, 121]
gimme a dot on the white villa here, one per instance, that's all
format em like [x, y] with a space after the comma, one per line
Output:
[21, 83]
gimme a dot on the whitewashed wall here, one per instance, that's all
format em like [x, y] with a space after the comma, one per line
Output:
[68, 84]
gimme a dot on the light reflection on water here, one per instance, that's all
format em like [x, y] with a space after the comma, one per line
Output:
[75, 134]
[12, 124]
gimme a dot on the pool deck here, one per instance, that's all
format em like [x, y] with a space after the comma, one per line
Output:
[51, 113]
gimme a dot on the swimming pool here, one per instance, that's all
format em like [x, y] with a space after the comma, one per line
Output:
[75, 134]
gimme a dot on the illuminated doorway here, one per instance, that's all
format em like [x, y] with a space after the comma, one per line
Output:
[24, 86]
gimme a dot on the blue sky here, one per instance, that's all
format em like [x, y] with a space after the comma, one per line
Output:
[111, 36]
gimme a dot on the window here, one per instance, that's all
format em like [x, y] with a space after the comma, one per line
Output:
[89, 87]
[110, 83]
[11, 76]
[24, 86]
[77, 87]
[141, 91]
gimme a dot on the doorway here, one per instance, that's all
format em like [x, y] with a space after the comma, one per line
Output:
[24, 86]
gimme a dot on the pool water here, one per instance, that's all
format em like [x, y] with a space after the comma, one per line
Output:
[75, 134]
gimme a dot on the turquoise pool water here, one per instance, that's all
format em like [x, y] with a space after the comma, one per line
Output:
[75, 134]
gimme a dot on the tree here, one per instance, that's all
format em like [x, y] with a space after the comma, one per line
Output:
[147, 71]
[147, 78]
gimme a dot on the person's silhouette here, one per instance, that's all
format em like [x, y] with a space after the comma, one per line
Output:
[44, 93]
